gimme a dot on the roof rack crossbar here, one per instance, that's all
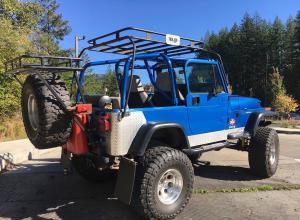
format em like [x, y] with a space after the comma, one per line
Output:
[124, 50]
[151, 49]
[122, 46]
[106, 43]
[182, 53]
[168, 50]
[137, 46]
[171, 49]
[156, 48]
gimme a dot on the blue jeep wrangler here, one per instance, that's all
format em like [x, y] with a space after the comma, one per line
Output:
[149, 137]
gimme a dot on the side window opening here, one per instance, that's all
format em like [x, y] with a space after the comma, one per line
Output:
[100, 80]
[204, 78]
[144, 93]
[163, 90]
[155, 92]
[163, 93]
[140, 92]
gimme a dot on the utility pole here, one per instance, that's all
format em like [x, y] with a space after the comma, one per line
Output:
[77, 39]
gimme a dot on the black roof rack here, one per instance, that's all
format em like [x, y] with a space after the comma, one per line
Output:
[124, 40]
[27, 62]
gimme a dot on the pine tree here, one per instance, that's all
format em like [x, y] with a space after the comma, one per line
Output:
[295, 78]
[277, 42]
[254, 49]
[288, 65]
[51, 28]
[110, 82]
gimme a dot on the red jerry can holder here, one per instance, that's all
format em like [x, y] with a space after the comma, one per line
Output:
[78, 141]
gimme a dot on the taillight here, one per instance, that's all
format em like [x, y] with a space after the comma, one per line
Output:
[104, 123]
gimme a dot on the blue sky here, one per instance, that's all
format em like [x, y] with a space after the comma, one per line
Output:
[189, 18]
[186, 18]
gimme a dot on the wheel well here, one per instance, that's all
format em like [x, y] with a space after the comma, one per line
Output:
[257, 119]
[264, 123]
[173, 137]
[170, 134]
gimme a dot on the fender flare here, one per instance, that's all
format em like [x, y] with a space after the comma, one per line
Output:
[145, 133]
[255, 118]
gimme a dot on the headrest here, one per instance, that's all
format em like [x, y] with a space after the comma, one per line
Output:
[163, 81]
[136, 85]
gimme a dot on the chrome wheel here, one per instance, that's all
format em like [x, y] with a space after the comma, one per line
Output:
[170, 186]
[272, 157]
[33, 112]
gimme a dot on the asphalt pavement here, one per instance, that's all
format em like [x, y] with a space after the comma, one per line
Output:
[38, 189]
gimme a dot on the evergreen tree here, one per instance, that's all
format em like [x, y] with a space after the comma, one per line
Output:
[96, 84]
[110, 82]
[277, 42]
[254, 50]
[294, 82]
[51, 29]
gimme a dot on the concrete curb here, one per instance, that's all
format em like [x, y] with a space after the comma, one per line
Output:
[286, 130]
[16, 152]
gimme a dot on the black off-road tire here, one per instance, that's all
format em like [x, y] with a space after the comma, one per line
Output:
[155, 162]
[263, 154]
[52, 126]
[86, 167]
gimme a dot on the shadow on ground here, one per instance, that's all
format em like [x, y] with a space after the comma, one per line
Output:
[219, 172]
[41, 191]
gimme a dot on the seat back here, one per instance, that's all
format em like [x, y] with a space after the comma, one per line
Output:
[137, 97]
[163, 82]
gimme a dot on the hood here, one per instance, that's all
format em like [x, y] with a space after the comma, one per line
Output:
[240, 102]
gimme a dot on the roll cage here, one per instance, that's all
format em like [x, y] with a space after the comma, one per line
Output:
[134, 44]
[144, 45]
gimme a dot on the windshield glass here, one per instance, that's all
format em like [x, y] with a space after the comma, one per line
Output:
[204, 78]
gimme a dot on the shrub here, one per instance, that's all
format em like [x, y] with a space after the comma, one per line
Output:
[284, 103]
[12, 128]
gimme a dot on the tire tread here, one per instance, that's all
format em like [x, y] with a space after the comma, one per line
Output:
[55, 124]
[260, 150]
[150, 164]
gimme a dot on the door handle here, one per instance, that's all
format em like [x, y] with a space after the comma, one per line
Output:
[196, 100]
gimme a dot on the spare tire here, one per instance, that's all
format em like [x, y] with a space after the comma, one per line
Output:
[46, 123]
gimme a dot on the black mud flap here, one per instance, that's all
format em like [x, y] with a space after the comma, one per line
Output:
[125, 181]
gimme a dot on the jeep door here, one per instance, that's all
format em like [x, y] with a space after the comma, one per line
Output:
[207, 99]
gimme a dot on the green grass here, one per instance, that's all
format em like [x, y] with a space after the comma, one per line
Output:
[284, 124]
[262, 188]
[287, 123]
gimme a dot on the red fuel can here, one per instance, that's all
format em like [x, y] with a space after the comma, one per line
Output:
[78, 142]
